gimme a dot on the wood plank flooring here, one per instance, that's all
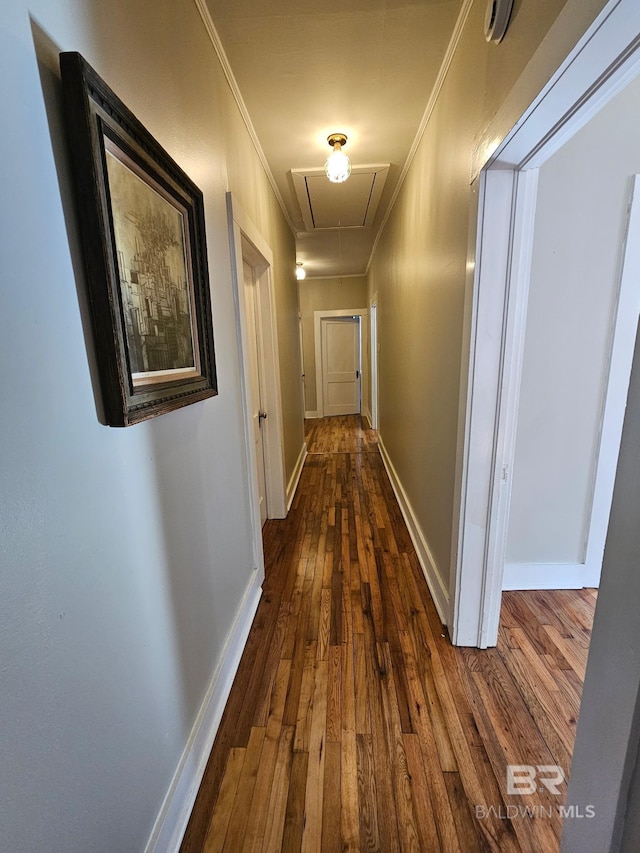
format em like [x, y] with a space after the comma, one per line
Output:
[353, 723]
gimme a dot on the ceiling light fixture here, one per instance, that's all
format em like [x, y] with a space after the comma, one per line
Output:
[300, 272]
[338, 166]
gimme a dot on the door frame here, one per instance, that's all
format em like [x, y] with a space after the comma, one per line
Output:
[355, 325]
[624, 336]
[318, 316]
[373, 362]
[505, 186]
[247, 244]
[252, 263]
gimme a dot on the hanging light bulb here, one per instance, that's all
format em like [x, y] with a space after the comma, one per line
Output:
[338, 166]
[300, 272]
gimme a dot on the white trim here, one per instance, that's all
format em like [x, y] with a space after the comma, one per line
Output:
[604, 60]
[318, 316]
[543, 576]
[510, 374]
[272, 428]
[426, 117]
[426, 559]
[591, 75]
[246, 240]
[482, 381]
[367, 417]
[625, 325]
[173, 817]
[209, 26]
[374, 385]
[235, 240]
[308, 416]
[295, 477]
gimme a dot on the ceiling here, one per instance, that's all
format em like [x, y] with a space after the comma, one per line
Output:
[305, 69]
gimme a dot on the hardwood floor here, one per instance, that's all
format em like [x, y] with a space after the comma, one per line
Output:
[353, 723]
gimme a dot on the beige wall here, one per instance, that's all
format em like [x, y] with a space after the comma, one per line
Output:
[328, 294]
[248, 182]
[126, 553]
[419, 267]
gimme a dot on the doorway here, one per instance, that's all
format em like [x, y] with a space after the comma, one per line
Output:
[256, 377]
[352, 359]
[606, 748]
[499, 264]
[373, 332]
[580, 332]
[256, 331]
[341, 365]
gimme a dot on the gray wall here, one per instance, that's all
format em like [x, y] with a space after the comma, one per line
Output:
[125, 553]
[583, 198]
[606, 748]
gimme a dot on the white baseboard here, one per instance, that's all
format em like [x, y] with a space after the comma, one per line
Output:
[173, 818]
[543, 576]
[438, 590]
[311, 415]
[295, 477]
[367, 416]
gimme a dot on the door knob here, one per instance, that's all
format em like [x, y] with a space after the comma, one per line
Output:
[262, 416]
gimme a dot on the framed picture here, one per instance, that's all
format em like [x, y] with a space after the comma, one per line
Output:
[142, 228]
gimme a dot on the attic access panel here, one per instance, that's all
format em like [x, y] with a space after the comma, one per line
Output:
[352, 204]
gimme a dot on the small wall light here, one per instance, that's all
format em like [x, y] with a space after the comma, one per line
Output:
[338, 166]
[300, 273]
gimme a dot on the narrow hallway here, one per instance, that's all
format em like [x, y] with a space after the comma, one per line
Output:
[353, 723]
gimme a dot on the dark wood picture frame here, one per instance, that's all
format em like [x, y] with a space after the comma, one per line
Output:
[141, 222]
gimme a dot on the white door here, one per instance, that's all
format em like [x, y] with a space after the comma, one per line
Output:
[252, 296]
[373, 332]
[341, 365]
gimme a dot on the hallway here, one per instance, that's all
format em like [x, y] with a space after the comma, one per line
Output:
[353, 723]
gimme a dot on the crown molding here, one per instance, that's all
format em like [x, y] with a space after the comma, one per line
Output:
[207, 20]
[426, 117]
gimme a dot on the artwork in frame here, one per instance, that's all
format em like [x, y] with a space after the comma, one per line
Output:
[141, 222]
